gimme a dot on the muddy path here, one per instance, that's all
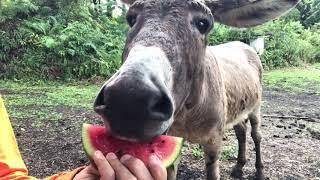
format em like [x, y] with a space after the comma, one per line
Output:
[290, 127]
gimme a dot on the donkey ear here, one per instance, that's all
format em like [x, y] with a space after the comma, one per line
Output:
[246, 13]
[128, 1]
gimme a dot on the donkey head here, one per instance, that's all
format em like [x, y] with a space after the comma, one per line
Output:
[162, 68]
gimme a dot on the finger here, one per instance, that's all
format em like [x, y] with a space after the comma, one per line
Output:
[87, 172]
[105, 170]
[137, 167]
[121, 172]
[157, 170]
[92, 170]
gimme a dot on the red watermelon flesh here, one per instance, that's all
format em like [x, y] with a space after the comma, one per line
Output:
[166, 148]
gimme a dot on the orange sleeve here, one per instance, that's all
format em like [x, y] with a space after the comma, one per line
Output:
[69, 175]
[12, 166]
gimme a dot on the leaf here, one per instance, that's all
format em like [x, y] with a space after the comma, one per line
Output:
[71, 52]
[48, 42]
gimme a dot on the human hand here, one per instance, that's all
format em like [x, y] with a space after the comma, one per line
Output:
[127, 168]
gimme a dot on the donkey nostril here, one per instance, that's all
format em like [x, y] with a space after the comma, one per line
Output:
[100, 109]
[162, 108]
[99, 102]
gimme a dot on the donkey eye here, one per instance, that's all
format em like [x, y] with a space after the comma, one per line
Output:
[131, 20]
[202, 25]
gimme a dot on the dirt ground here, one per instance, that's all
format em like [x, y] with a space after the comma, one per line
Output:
[290, 127]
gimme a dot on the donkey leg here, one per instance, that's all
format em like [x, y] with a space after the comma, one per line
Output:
[241, 131]
[173, 169]
[255, 121]
[212, 152]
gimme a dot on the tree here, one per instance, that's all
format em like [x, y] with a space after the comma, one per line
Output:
[309, 12]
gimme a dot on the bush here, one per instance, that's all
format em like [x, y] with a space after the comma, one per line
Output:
[17, 9]
[287, 42]
[72, 40]
[74, 43]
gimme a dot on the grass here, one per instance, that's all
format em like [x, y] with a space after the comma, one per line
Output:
[50, 94]
[42, 114]
[229, 152]
[302, 79]
[197, 151]
[41, 100]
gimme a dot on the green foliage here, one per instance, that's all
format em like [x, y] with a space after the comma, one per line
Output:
[229, 152]
[287, 42]
[76, 40]
[197, 151]
[293, 15]
[44, 101]
[17, 9]
[298, 79]
[309, 12]
[74, 43]
[48, 94]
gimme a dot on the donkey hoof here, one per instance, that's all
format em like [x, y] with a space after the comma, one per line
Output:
[236, 173]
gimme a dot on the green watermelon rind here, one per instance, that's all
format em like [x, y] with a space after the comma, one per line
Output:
[171, 159]
[89, 150]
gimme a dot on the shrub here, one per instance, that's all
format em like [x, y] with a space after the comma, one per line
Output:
[72, 40]
[74, 43]
[287, 42]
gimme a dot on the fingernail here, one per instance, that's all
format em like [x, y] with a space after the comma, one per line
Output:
[111, 156]
[98, 154]
[154, 159]
[125, 157]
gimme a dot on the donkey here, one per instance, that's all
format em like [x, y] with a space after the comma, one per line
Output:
[172, 82]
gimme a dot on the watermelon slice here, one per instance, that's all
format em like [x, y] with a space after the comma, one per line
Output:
[95, 137]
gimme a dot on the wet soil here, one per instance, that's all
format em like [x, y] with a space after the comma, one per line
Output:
[290, 127]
